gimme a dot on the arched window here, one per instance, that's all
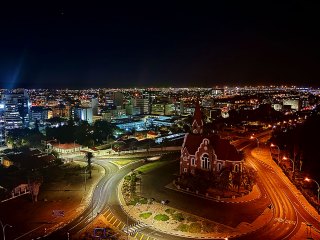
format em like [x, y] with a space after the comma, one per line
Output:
[193, 161]
[205, 161]
[219, 166]
[236, 168]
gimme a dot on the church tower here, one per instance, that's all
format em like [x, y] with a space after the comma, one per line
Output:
[197, 123]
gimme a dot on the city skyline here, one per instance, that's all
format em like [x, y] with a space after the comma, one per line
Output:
[147, 45]
[160, 163]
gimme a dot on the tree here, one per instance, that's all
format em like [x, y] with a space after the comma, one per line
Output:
[102, 130]
[236, 181]
[24, 137]
[35, 179]
[89, 156]
[225, 178]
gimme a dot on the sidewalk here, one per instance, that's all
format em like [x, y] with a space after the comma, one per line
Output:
[191, 226]
[253, 195]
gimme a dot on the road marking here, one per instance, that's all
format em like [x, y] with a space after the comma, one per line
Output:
[141, 236]
[283, 220]
[110, 219]
[114, 222]
[108, 215]
[119, 224]
[135, 234]
[148, 237]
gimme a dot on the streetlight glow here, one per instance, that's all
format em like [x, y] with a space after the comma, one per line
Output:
[285, 158]
[252, 137]
[273, 145]
[309, 180]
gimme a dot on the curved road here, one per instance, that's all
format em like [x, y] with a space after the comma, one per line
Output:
[100, 200]
[288, 212]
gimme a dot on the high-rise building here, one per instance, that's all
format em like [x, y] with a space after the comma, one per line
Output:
[39, 113]
[61, 110]
[158, 108]
[293, 103]
[118, 99]
[169, 109]
[142, 104]
[83, 113]
[94, 105]
[2, 126]
[17, 109]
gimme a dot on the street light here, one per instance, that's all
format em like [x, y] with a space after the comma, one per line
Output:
[85, 178]
[273, 145]
[309, 180]
[285, 158]
[3, 229]
[137, 204]
[252, 137]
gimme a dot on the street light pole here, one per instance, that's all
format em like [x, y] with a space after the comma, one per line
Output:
[285, 158]
[273, 145]
[85, 178]
[252, 137]
[308, 180]
[4, 228]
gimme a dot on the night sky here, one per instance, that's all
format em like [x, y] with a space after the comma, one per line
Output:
[159, 44]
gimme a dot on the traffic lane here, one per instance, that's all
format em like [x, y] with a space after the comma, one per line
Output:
[81, 221]
[285, 220]
[305, 215]
[96, 204]
[302, 212]
[231, 214]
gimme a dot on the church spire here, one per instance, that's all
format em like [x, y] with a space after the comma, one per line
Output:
[197, 123]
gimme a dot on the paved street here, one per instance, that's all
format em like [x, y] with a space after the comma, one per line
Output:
[289, 214]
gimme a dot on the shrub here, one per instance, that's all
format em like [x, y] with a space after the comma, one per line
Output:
[191, 219]
[143, 200]
[145, 215]
[195, 227]
[207, 227]
[170, 211]
[179, 217]
[161, 217]
[183, 227]
[127, 178]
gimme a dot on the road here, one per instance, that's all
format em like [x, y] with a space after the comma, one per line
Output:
[100, 199]
[288, 212]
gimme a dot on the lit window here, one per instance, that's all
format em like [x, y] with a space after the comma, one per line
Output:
[205, 161]
[219, 166]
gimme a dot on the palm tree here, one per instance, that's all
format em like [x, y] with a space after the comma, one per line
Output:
[89, 156]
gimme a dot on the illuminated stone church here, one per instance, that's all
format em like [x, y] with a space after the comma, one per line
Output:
[207, 151]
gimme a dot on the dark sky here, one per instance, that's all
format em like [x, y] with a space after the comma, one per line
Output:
[158, 43]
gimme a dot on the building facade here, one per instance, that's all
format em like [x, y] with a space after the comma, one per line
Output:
[207, 151]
